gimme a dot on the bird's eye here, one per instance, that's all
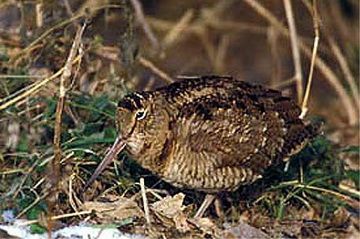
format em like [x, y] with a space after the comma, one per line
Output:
[140, 114]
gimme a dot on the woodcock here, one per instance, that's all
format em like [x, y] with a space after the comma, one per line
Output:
[208, 133]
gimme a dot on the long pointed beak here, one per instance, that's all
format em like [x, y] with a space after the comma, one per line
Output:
[117, 147]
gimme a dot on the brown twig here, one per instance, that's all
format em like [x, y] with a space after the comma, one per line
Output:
[320, 64]
[65, 78]
[54, 172]
[39, 14]
[209, 47]
[344, 66]
[61, 24]
[141, 18]
[29, 222]
[148, 64]
[220, 56]
[68, 8]
[70, 12]
[178, 28]
[295, 49]
[273, 40]
[145, 201]
[34, 88]
[284, 83]
[223, 25]
[304, 104]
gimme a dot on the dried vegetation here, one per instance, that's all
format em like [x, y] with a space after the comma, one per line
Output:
[64, 64]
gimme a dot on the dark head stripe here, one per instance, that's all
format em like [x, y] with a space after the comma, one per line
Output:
[133, 101]
[137, 100]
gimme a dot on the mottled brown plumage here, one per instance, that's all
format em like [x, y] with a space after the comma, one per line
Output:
[210, 133]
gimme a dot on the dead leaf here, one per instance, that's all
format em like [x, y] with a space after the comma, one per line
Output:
[116, 210]
[170, 211]
[170, 205]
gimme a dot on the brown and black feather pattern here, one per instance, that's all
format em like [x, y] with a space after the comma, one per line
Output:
[213, 133]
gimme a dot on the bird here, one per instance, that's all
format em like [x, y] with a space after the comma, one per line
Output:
[208, 133]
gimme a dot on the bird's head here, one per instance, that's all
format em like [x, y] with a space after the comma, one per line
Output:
[140, 119]
[142, 123]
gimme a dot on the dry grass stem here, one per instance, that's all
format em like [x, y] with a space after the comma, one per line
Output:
[54, 172]
[149, 85]
[39, 13]
[304, 105]
[12, 171]
[57, 26]
[349, 189]
[262, 11]
[297, 184]
[333, 80]
[324, 190]
[273, 40]
[220, 25]
[34, 88]
[57, 113]
[71, 192]
[21, 76]
[208, 45]
[141, 18]
[220, 56]
[36, 201]
[53, 218]
[178, 28]
[68, 8]
[148, 64]
[145, 201]
[346, 71]
[295, 49]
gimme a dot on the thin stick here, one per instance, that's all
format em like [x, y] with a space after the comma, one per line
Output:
[18, 92]
[54, 172]
[349, 189]
[178, 28]
[61, 24]
[320, 64]
[229, 26]
[141, 18]
[39, 14]
[209, 47]
[334, 81]
[148, 64]
[262, 11]
[334, 193]
[346, 70]
[70, 12]
[34, 88]
[68, 8]
[54, 218]
[145, 201]
[295, 49]
[304, 107]
[273, 40]
[220, 54]
[36, 201]
[344, 66]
